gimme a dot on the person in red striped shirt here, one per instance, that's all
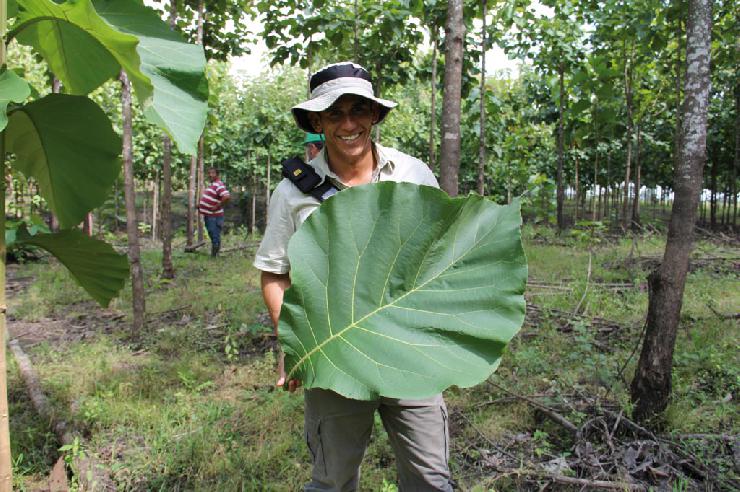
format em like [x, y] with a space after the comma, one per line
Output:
[211, 206]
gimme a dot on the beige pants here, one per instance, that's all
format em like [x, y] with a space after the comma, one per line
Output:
[338, 431]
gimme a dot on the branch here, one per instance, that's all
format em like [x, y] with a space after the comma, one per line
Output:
[556, 417]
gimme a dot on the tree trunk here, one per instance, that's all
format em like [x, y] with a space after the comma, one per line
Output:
[201, 186]
[356, 40]
[56, 87]
[595, 206]
[449, 164]
[190, 225]
[713, 191]
[433, 110]
[87, 224]
[561, 149]
[628, 163]
[267, 187]
[651, 386]
[378, 90]
[168, 269]
[575, 194]
[253, 214]
[482, 141]
[736, 161]
[636, 202]
[134, 254]
[155, 205]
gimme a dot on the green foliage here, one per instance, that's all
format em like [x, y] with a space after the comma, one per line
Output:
[65, 142]
[94, 264]
[400, 291]
[87, 43]
[75, 163]
[12, 89]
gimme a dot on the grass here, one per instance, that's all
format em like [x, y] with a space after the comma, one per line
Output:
[189, 405]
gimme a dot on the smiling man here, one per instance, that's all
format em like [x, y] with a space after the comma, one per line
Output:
[343, 108]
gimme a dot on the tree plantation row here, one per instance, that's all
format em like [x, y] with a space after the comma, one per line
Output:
[622, 67]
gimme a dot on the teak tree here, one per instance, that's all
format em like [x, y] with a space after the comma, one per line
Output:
[651, 386]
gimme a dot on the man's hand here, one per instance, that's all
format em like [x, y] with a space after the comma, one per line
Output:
[293, 384]
[274, 286]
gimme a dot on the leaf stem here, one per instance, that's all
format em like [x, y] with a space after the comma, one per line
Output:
[20, 27]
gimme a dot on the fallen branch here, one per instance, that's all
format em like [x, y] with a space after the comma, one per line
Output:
[92, 475]
[192, 248]
[581, 482]
[556, 417]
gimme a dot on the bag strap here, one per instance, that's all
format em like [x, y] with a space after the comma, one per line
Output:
[306, 179]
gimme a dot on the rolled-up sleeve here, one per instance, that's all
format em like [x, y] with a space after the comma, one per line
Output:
[272, 255]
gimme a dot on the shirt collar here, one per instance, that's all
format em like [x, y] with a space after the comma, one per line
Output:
[385, 165]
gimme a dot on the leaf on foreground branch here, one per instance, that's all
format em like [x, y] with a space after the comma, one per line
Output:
[93, 263]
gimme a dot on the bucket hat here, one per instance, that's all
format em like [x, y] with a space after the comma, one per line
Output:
[330, 83]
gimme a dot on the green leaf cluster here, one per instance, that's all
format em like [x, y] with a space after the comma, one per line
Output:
[65, 141]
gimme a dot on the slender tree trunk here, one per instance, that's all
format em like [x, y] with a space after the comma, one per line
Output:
[190, 225]
[378, 91]
[595, 207]
[155, 205]
[88, 224]
[56, 87]
[575, 194]
[736, 160]
[561, 149]
[134, 254]
[356, 41]
[267, 187]
[482, 141]
[6, 462]
[201, 186]
[651, 386]
[433, 110]
[168, 269]
[628, 163]
[253, 212]
[636, 202]
[449, 164]
[201, 158]
[713, 192]
[606, 185]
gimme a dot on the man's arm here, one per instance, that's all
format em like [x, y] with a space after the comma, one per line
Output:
[274, 286]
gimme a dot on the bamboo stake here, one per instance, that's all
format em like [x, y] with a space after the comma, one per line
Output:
[6, 469]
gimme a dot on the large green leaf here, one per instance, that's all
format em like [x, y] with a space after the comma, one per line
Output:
[400, 291]
[87, 43]
[12, 89]
[68, 145]
[94, 264]
[176, 69]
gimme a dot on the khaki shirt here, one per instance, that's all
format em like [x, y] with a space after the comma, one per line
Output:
[289, 207]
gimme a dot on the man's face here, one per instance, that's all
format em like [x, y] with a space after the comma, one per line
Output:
[346, 126]
[212, 174]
